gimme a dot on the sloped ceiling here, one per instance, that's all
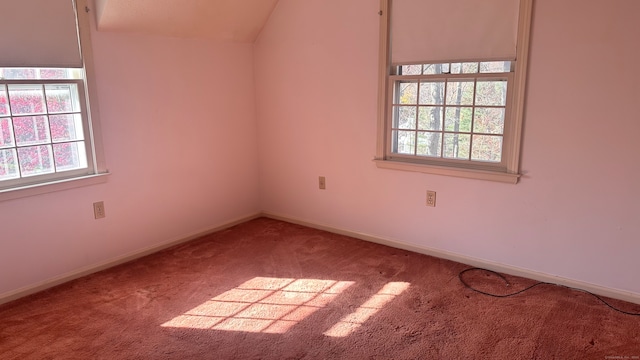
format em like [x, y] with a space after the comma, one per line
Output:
[224, 20]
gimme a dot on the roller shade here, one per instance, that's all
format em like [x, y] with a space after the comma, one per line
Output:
[453, 30]
[38, 33]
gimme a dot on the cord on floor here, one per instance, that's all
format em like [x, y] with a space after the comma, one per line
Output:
[460, 276]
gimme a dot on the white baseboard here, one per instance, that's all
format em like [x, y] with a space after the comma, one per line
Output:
[87, 270]
[475, 262]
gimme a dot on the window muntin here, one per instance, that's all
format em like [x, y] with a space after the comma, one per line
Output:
[43, 127]
[449, 112]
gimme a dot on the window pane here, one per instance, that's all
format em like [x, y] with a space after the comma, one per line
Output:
[464, 68]
[405, 142]
[407, 93]
[31, 130]
[8, 164]
[429, 144]
[406, 117]
[487, 148]
[411, 70]
[70, 156]
[19, 73]
[430, 118]
[26, 99]
[432, 69]
[456, 146]
[66, 127]
[460, 92]
[62, 98]
[35, 160]
[54, 74]
[6, 133]
[470, 68]
[495, 66]
[458, 119]
[4, 102]
[492, 93]
[489, 120]
[432, 93]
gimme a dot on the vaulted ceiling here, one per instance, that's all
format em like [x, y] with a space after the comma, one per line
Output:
[224, 20]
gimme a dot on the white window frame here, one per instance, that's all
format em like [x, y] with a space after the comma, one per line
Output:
[508, 170]
[55, 174]
[395, 82]
[97, 170]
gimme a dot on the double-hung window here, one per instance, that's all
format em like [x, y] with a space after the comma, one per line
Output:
[48, 133]
[452, 86]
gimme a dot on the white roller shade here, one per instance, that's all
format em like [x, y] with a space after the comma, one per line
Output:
[38, 33]
[453, 30]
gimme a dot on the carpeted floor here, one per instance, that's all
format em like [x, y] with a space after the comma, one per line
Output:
[267, 289]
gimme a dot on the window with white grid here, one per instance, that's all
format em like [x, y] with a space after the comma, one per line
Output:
[449, 111]
[43, 125]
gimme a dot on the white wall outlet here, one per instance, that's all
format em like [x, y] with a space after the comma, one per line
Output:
[98, 210]
[431, 198]
[322, 183]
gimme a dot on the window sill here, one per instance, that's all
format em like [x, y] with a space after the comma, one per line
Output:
[449, 171]
[48, 187]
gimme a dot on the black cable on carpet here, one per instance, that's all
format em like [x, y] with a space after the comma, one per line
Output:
[460, 276]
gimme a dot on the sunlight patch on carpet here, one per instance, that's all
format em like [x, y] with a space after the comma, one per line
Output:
[262, 305]
[375, 303]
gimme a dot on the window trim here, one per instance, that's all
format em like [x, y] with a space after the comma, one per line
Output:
[97, 170]
[90, 87]
[509, 172]
[52, 186]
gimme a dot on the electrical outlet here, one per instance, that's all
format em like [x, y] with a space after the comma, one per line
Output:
[322, 183]
[431, 198]
[98, 210]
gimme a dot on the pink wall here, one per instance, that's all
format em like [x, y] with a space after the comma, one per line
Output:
[186, 155]
[574, 214]
[178, 121]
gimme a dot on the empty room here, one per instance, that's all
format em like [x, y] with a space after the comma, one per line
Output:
[319, 179]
